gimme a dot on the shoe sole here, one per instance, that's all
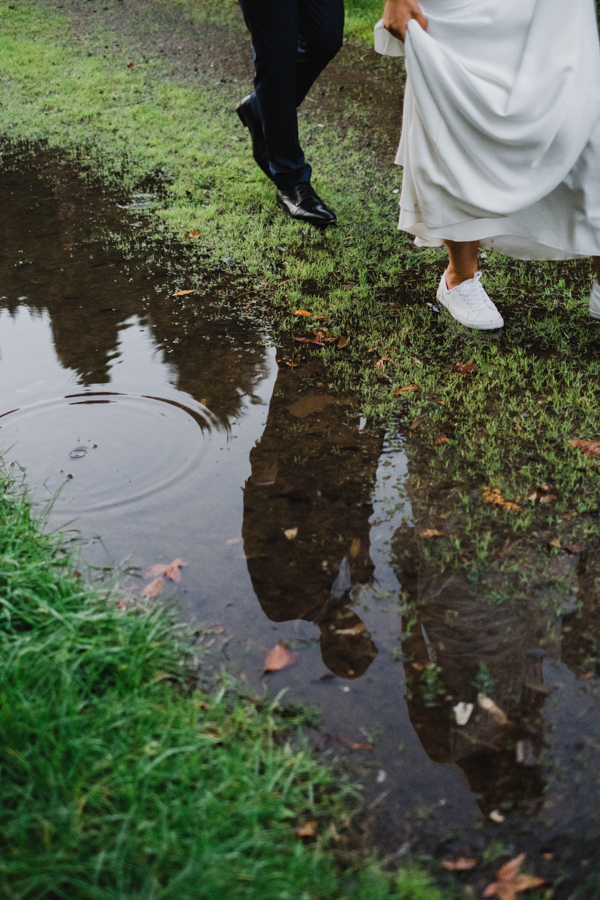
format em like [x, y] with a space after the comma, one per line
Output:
[476, 327]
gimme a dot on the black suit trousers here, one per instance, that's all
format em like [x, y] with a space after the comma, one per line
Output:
[293, 41]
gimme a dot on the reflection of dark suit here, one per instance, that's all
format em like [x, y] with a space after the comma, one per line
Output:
[462, 624]
[293, 42]
[325, 496]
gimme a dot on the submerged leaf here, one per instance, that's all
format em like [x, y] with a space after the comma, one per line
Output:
[462, 864]
[154, 588]
[510, 880]
[279, 657]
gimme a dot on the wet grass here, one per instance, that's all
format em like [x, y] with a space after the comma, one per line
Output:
[98, 94]
[122, 777]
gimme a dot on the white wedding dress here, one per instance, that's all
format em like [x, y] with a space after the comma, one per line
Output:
[501, 130]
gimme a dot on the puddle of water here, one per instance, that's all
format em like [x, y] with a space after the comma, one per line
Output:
[170, 432]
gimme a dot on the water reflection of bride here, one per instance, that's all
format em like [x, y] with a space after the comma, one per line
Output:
[476, 634]
[325, 495]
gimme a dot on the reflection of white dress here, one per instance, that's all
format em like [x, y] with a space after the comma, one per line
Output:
[501, 131]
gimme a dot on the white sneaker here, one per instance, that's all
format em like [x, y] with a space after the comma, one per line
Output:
[469, 304]
[595, 301]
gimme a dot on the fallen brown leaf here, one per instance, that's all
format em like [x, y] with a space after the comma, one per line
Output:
[591, 449]
[494, 495]
[431, 532]
[355, 745]
[465, 368]
[381, 362]
[301, 312]
[181, 293]
[342, 342]
[279, 657]
[171, 570]
[405, 390]
[555, 542]
[441, 440]
[291, 363]
[542, 496]
[193, 235]
[511, 881]
[573, 548]
[154, 588]
[309, 829]
[462, 864]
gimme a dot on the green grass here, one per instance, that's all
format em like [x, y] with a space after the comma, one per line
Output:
[121, 778]
[535, 387]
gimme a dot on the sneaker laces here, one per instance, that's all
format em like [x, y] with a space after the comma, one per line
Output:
[473, 294]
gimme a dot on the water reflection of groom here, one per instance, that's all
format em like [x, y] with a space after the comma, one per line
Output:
[326, 497]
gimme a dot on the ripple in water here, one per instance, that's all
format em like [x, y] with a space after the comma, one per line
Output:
[105, 450]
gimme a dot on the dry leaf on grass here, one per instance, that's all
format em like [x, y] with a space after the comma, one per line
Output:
[307, 830]
[342, 342]
[591, 449]
[542, 495]
[462, 864]
[465, 368]
[511, 881]
[405, 390]
[381, 362]
[279, 657]
[431, 532]
[494, 495]
[154, 588]
[555, 542]
[193, 235]
[301, 312]
[441, 440]
[181, 293]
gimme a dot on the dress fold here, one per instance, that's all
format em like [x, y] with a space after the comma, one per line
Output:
[501, 129]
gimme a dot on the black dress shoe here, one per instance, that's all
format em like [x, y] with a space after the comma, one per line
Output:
[301, 202]
[252, 122]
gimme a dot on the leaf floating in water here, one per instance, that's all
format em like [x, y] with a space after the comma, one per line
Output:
[462, 864]
[357, 629]
[462, 712]
[181, 293]
[493, 709]
[511, 881]
[170, 570]
[591, 449]
[154, 588]
[279, 657]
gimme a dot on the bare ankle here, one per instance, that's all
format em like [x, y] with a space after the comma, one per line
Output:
[455, 277]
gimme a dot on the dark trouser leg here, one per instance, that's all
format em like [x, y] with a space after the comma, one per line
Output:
[293, 42]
